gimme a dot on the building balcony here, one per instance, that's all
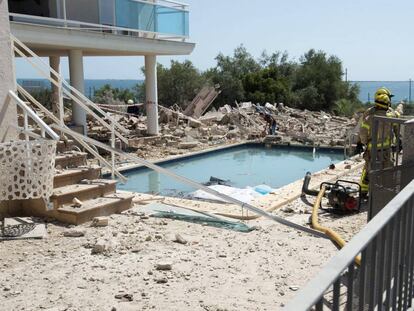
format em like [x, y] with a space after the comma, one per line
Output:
[153, 19]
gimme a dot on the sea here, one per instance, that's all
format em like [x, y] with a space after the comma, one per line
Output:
[400, 89]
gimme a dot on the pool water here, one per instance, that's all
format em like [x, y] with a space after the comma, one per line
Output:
[242, 166]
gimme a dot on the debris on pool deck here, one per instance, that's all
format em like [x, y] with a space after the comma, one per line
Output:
[138, 262]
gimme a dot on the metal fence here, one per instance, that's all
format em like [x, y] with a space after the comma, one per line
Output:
[383, 282]
[389, 173]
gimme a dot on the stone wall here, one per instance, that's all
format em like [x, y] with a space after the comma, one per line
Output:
[8, 113]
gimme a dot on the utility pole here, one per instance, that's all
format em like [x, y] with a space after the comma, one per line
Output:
[409, 91]
[346, 74]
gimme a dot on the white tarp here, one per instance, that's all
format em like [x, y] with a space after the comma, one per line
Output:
[245, 195]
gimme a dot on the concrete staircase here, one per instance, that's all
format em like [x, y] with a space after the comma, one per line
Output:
[75, 179]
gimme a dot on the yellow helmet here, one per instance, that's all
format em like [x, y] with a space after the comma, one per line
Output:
[383, 98]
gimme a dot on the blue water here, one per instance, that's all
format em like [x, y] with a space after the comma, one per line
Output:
[400, 89]
[243, 166]
[91, 85]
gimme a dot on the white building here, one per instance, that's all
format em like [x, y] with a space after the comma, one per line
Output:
[78, 28]
[33, 140]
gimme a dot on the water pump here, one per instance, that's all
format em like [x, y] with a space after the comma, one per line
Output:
[343, 195]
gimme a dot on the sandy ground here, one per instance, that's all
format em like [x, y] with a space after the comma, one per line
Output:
[217, 269]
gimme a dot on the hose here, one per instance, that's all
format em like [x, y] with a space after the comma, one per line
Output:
[305, 187]
[335, 237]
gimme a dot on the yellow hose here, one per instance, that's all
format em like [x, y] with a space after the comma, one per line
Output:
[280, 204]
[335, 237]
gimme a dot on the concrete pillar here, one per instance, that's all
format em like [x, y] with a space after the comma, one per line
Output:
[54, 62]
[77, 81]
[8, 114]
[151, 92]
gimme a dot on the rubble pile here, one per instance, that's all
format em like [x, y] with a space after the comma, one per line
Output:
[179, 133]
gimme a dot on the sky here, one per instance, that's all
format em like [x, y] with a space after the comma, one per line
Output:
[373, 38]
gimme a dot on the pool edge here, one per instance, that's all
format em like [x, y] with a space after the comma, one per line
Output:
[133, 167]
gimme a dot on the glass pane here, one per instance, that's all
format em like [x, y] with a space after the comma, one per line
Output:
[172, 21]
[106, 12]
[127, 14]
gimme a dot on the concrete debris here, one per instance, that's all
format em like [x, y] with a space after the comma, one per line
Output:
[164, 266]
[76, 202]
[179, 239]
[100, 222]
[124, 297]
[74, 233]
[226, 125]
[202, 101]
[101, 246]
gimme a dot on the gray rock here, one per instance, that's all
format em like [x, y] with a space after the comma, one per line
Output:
[100, 247]
[179, 239]
[74, 233]
[100, 222]
[164, 266]
[161, 280]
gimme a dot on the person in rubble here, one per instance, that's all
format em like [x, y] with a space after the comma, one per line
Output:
[271, 125]
[385, 136]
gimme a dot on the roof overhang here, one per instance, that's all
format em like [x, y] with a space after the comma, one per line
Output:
[47, 41]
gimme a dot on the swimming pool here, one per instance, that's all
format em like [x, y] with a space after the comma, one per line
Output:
[242, 166]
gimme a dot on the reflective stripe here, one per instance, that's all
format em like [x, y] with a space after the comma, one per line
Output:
[385, 144]
[365, 126]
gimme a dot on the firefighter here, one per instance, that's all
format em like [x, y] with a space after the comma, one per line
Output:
[384, 140]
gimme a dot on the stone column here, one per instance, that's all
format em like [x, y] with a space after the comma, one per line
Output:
[54, 62]
[151, 92]
[8, 114]
[77, 81]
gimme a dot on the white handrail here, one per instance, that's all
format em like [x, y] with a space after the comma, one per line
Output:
[64, 82]
[74, 98]
[28, 111]
[80, 141]
[194, 184]
[78, 98]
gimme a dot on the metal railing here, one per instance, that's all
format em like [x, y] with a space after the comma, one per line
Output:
[77, 97]
[28, 112]
[149, 19]
[78, 139]
[388, 172]
[385, 278]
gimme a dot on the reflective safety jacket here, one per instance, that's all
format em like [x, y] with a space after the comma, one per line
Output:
[383, 141]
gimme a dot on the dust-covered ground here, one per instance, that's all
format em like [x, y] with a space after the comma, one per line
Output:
[217, 269]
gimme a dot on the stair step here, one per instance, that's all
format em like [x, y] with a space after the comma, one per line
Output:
[73, 159]
[82, 191]
[103, 206]
[63, 146]
[72, 176]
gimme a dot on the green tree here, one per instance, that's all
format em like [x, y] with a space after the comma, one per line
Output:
[229, 74]
[346, 107]
[178, 84]
[107, 92]
[319, 82]
[43, 96]
[273, 82]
